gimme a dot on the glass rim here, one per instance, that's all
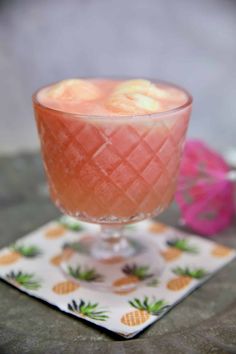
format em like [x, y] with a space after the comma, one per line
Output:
[117, 117]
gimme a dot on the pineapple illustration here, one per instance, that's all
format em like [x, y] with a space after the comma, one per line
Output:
[55, 232]
[77, 246]
[24, 280]
[70, 223]
[157, 228]
[68, 250]
[64, 255]
[143, 311]
[19, 251]
[65, 223]
[176, 247]
[221, 251]
[65, 287]
[89, 310]
[133, 274]
[184, 277]
[85, 274]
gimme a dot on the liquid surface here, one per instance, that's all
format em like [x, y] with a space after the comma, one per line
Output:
[111, 97]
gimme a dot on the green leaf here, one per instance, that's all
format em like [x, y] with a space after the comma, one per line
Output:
[86, 274]
[146, 302]
[70, 223]
[26, 280]
[31, 251]
[140, 271]
[89, 310]
[158, 305]
[153, 307]
[183, 245]
[196, 273]
[136, 303]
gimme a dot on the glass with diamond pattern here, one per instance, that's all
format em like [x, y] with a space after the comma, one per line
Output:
[112, 170]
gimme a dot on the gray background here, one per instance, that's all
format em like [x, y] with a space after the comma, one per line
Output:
[189, 42]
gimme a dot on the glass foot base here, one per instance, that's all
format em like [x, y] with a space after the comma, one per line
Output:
[119, 267]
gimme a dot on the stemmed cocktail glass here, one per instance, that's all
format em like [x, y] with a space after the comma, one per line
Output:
[112, 171]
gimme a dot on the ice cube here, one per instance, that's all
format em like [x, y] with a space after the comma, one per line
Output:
[133, 103]
[73, 90]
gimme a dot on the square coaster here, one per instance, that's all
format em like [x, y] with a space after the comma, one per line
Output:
[32, 265]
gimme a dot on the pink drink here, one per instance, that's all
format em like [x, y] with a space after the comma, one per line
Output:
[109, 162]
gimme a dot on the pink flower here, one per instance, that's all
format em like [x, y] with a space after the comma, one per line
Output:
[204, 194]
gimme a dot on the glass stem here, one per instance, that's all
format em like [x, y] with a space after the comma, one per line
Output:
[112, 236]
[112, 243]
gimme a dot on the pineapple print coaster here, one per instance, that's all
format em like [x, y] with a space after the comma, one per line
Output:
[34, 264]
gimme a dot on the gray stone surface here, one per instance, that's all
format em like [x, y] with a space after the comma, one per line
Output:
[205, 322]
[186, 41]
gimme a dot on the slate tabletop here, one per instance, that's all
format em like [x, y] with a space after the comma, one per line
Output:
[205, 322]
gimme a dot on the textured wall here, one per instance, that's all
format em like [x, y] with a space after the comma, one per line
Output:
[189, 42]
